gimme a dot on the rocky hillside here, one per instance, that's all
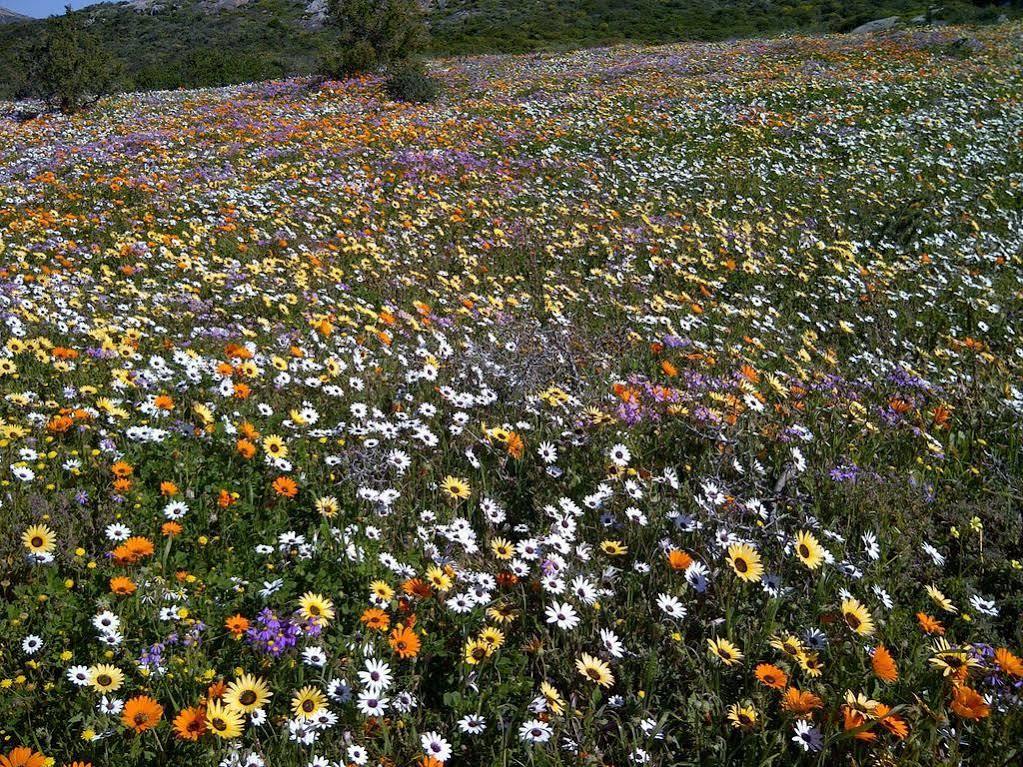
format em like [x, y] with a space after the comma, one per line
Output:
[8, 17]
[194, 43]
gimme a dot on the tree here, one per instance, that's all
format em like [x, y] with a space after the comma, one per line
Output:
[68, 67]
[373, 33]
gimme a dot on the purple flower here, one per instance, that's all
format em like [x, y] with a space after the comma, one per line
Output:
[272, 635]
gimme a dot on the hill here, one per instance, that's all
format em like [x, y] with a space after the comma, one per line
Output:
[9, 17]
[194, 43]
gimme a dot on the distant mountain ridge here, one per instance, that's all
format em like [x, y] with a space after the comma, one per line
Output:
[8, 16]
[195, 43]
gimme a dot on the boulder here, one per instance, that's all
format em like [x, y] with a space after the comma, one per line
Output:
[878, 25]
[316, 13]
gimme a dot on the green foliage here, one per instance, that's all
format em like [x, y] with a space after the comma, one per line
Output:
[496, 25]
[186, 44]
[371, 32]
[409, 81]
[345, 61]
[210, 67]
[69, 66]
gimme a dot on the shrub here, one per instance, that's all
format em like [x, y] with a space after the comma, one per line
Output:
[409, 81]
[69, 68]
[339, 64]
[374, 32]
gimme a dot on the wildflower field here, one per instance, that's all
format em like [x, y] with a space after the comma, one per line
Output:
[624, 406]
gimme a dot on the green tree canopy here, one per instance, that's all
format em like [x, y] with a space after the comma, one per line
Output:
[68, 67]
[372, 33]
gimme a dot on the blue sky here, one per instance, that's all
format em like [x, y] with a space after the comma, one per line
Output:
[40, 8]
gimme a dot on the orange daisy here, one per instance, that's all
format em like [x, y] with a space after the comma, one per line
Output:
[679, 560]
[405, 642]
[800, 702]
[772, 676]
[190, 724]
[285, 487]
[930, 625]
[853, 719]
[237, 625]
[1008, 662]
[894, 723]
[884, 665]
[122, 470]
[122, 586]
[969, 704]
[141, 713]
[417, 587]
[376, 619]
[133, 550]
[22, 756]
[216, 690]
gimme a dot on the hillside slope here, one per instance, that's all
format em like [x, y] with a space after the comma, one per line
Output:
[8, 16]
[172, 43]
[674, 391]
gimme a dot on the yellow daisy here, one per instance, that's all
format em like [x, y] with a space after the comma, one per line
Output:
[476, 651]
[492, 636]
[247, 693]
[381, 590]
[222, 721]
[555, 702]
[745, 561]
[39, 539]
[439, 579]
[613, 548]
[455, 488]
[857, 617]
[809, 550]
[316, 608]
[502, 548]
[941, 600]
[742, 717]
[307, 702]
[106, 678]
[274, 446]
[327, 506]
[725, 651]
[595, 670]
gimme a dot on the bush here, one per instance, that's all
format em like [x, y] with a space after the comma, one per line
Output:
[409, 81]
[373, 32]
[339, 64]
[69, 68]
